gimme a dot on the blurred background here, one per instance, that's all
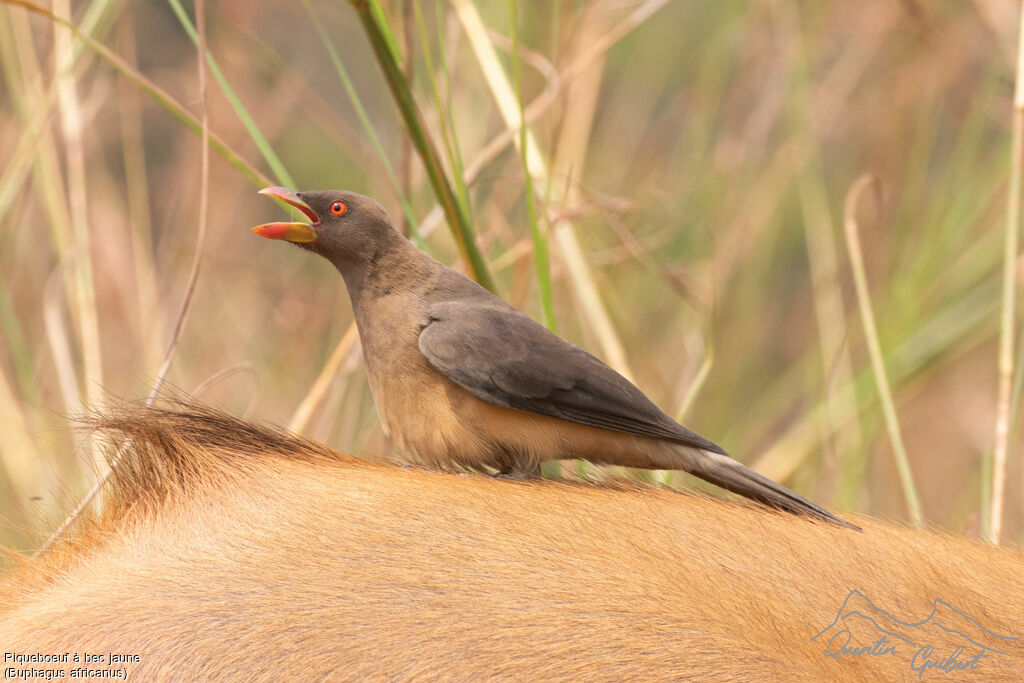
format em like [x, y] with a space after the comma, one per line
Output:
[690, 160]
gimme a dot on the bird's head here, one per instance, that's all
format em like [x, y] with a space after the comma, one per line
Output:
[344, 227]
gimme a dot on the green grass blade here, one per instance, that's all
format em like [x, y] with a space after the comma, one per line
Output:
[159, 95]
[877, 361]
[447, 114]
[540, 243]
[378, 33]
[1008, 312]
[364, 119]
[449, 134]
[243, 114]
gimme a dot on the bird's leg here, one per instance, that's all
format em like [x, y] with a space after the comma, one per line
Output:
[522, 470]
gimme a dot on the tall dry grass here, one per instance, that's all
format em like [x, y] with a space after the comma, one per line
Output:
[688, 164]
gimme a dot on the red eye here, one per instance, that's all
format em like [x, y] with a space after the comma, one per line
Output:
[338, 208]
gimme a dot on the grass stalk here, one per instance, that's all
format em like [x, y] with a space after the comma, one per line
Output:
[557, 84]
[445, 124]
[269, 155]
[540, 242]
[960, 325]
[445, 108]
[150, 328]
[570, 161]
[1009, 305]
[20, 460]
[595, 313]
[822, 252]
[58, 339]
[364, 119]
[197, 259]
[19, 350]
[406, 153]
[874, 348]
[84, 304]
[204, 203]
[377, 30]
[14, 171]
[1018, 387]
[316, 393]
[445, 117]
[25, 85]
[697, 384]
[60, 346]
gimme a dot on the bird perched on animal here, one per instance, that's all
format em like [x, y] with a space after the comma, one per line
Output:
[462, 378]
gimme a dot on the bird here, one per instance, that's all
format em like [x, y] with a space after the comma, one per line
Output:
[461, 379]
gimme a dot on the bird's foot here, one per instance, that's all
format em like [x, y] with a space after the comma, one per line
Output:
[519, 473]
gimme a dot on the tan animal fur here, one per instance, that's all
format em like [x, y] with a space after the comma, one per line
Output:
[235, 552]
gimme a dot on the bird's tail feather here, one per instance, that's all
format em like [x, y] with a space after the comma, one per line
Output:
[721, 470]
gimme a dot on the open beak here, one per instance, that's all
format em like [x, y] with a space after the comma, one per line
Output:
[292, 232]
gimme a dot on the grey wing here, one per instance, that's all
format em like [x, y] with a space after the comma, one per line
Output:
[505, 358]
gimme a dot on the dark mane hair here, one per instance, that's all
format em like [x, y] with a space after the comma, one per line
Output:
[170, 451]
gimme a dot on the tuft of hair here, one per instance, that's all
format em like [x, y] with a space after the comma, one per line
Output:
[168, 455]
[170, 452]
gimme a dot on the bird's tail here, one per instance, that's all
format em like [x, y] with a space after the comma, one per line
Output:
[721, 470]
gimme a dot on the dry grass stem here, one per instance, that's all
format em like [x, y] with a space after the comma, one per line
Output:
[197, 259]
[874, 347]
[1009, 299]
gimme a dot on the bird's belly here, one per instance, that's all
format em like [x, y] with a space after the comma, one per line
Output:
[432, 420]
[437, 423]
